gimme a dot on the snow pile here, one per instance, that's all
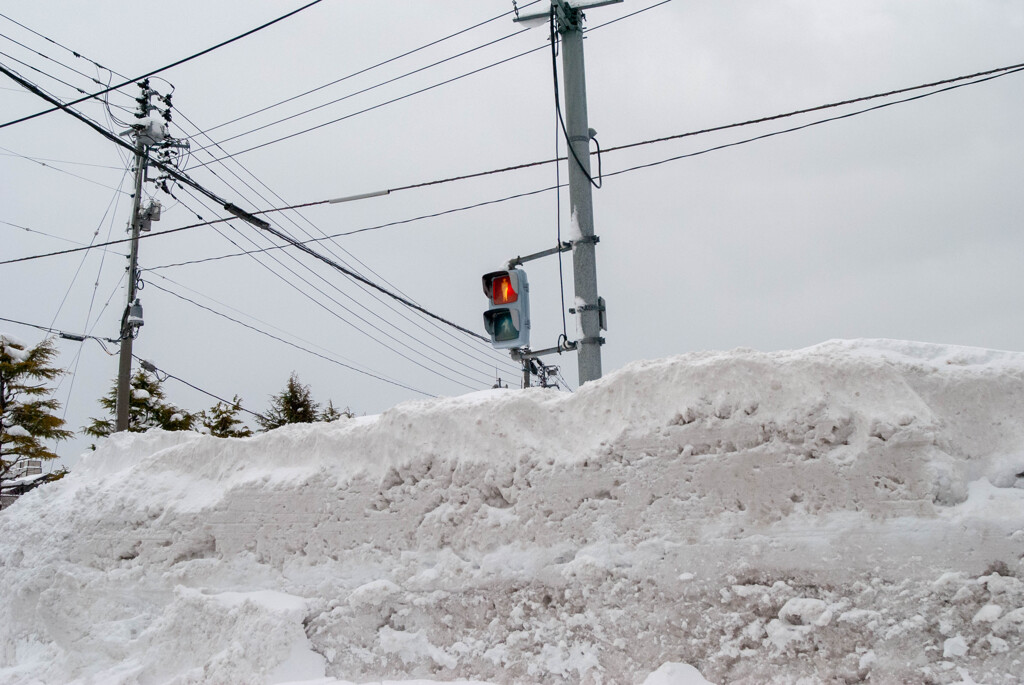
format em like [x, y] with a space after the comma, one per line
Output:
[849, 512]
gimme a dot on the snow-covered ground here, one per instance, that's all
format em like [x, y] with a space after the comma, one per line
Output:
[849, 512]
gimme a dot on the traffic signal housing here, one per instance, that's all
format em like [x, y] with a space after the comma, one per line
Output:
[507, 319]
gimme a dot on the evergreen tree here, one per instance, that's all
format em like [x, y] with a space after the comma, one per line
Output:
[331, 413]
[222, 420]
[294, 404]
[147, 408]
[26, 414]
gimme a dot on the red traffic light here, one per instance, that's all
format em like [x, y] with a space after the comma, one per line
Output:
[502, 287]
[502, 290]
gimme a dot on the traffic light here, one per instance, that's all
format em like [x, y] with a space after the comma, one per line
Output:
[507, 318]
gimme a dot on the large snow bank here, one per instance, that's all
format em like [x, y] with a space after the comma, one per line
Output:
[848, 512]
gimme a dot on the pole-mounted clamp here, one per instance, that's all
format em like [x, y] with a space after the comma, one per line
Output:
[593, 340]
[602, 317]
[593, 239]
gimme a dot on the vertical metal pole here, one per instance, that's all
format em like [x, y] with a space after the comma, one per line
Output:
[584, 263]
[124, 367]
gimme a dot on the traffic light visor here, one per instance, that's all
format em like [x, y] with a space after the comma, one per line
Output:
[502, 287]
[502, 324]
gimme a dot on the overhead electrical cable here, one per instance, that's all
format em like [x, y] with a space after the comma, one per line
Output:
[11, 153]
[164, 68]
[343, 233]
[167, 374]
[237, 211]
[291, 344]
[62, 64]
[64, 171]
[996, 72]
[257, 320]
[173, 172]
[398, 311]
[472, 350]
[818, 122]
[375, 107]
[361, 91]
[428, 88]
[51, 40]
[48, 235]
[367, 69]
[247, 315]
[110, 211]
[62, 334]
[43, 73]
[359, 317]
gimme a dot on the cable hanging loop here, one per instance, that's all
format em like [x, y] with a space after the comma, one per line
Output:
[558, 107]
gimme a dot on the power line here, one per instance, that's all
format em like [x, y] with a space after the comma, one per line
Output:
[342, 234]
[63, 171]
[40, 71]
[12, 153]
[242, 214]
[793, 129]
[355, 314]
[47, 38]
[1013, 68]
[417, 92]
[119, 241]
[298, 347]
[164, 68]
[374, 107]
[64, 334]
[170, 170]
[146, 362]
[397, 310]
[111, 210]
[361, 91]
[48, 235]
[367, 69]
[994, 73]
[250, 316]
[76, 54]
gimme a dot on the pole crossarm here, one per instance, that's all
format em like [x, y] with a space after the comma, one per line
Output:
[569, 13]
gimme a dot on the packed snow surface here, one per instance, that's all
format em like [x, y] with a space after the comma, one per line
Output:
[849, 512]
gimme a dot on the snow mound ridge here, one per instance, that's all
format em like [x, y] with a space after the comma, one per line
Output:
[849, 511]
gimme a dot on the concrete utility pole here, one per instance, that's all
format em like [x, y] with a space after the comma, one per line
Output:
[568, 21]
[124, 367]
[584, 261]
[149, 132]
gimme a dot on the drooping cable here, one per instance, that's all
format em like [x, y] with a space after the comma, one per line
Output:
[558, 106]
[558, 230]
[167, 374]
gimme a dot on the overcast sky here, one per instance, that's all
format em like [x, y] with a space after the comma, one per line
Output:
[900, 223]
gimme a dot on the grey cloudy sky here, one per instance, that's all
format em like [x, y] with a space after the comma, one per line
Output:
[901, 223]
